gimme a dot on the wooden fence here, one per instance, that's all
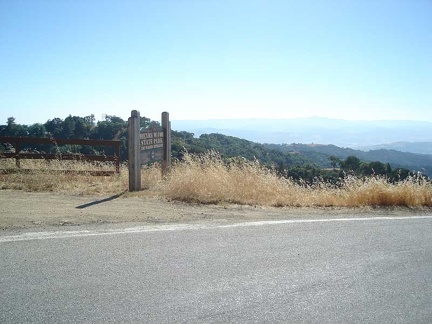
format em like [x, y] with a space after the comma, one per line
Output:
[17, 143]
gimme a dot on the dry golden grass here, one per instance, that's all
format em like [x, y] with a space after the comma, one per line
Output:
[207, 179]
[376, 191]
[72, 177]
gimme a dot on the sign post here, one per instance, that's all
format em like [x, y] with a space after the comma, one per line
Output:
[166, 126]
[148, 145]
[133, 150]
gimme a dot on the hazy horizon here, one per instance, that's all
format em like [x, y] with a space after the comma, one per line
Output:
[338, 132]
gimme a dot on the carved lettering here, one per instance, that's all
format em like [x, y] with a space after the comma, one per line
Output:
[151, 139]
[146, 135]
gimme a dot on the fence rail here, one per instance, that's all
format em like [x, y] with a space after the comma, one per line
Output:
[17, 142]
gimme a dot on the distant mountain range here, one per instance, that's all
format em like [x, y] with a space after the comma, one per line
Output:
[405, 136]
[411, 147]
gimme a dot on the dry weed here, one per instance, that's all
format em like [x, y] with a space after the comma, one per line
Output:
[206, 178]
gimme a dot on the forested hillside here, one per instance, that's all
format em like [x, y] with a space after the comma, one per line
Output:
[411, 147]
[321, 154]
[229, 146]
[296, 161]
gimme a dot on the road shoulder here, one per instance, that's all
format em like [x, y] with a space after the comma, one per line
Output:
[30, 210]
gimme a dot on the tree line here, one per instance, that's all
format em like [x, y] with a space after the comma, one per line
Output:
[73, 127]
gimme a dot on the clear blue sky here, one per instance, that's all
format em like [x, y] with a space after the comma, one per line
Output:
[204, 59]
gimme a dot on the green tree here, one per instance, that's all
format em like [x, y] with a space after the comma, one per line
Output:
[144, 122]
[351, 164]
[334, 161]
[110, 128]
[90, 120]
[54, 127]
[37, 130]
[374, 168]
[14, 129]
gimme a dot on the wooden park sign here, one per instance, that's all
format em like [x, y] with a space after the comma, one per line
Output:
[151, 143]
[147, 145]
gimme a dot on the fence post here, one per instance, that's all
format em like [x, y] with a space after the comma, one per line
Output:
[134, 151]
[166, 162]
[117, 154]
[17, 157]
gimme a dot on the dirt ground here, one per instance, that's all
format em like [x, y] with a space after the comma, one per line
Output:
[19, 210]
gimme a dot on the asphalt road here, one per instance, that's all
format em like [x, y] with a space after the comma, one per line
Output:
[331, 271]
